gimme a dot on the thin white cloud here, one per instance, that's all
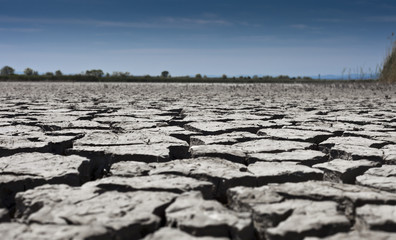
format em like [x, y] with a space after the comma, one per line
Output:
[386, 19]
[197, 21]
[331, 20]
[299, 26]
[256, 38]
[22, 30]
[167, 22]
[304, 27]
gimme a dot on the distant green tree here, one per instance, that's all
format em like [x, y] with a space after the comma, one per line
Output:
[58, 73]
[224, 76]
[6, 71]
[165, 74]
[198, 76]
[28, 71]
[283, 77]
[121, 74]
[94, 73]
[50, 74]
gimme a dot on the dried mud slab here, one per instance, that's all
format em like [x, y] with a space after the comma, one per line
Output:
[124, 215]
[199, 217]
[224, 174]
[239, 152]
[167, 233]
[358, 235]
[267, 172]
[223, 139]
[344, 171]
[35, 142]
[27, 170]
[377, 217]
[304, 157]
[306, 218]
[298, 210]
[348, 196]
[388, 136]
[354, 141]
[390, 154]
[154, 183]
[278, 218]
[141, 146]
[128, 138]
[20, 231]
[268, 145]
[383, 178]
[17, 144]
[336, 128]
[160, 152]
[355, 152]
[228, 152]
[19, 130]
[296, 135]
[216, 128]
[130, 169]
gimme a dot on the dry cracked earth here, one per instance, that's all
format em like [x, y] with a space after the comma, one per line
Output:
[197, 161]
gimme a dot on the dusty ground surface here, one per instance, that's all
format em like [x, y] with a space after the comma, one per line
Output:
[190, 161]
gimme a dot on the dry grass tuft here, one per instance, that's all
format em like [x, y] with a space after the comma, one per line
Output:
[388, 73]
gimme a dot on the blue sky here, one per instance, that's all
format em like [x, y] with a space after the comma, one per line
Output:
[185, 37]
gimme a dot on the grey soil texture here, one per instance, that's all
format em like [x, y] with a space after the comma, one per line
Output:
[197, 161]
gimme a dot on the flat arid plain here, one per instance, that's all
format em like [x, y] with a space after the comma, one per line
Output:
[197, 161]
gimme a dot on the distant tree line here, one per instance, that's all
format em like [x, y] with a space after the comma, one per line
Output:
[7, 73]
